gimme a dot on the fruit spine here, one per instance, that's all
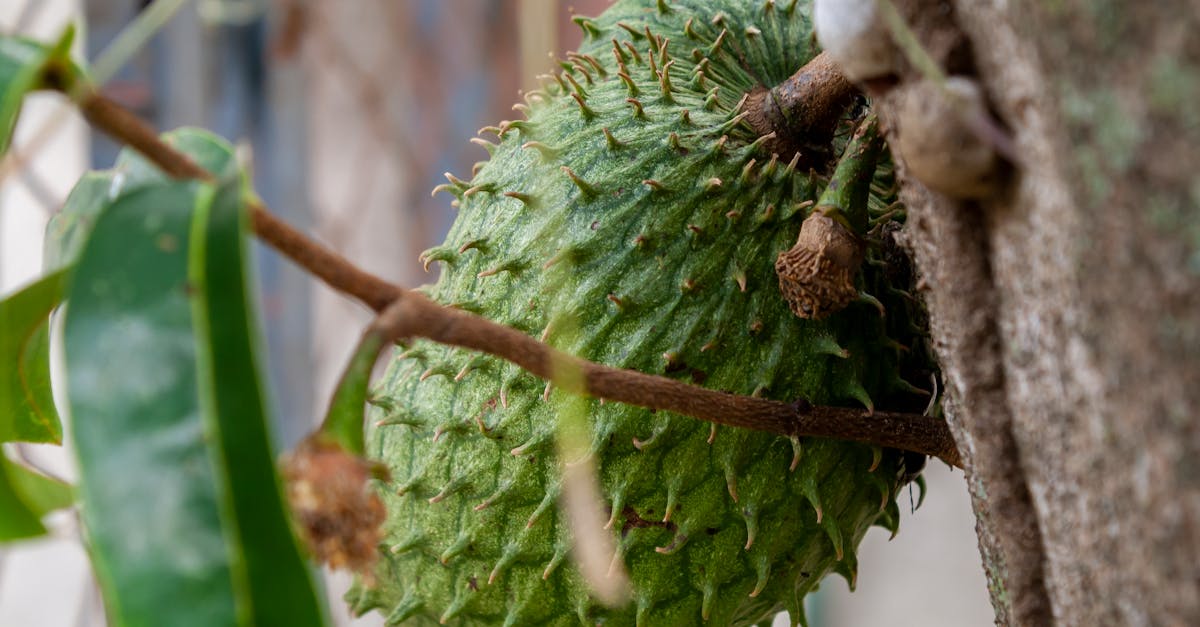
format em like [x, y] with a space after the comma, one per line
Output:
[633, 218]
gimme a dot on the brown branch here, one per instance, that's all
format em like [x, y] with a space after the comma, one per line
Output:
[416, 315]
[410, 314]
[332, 268]
[327, 265]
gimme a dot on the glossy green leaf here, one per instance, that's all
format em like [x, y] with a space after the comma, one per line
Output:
[279, 587]
[18, 520]
[41, 493]
[147, 482]
[23, 68]
[27, 411]
[180, 497]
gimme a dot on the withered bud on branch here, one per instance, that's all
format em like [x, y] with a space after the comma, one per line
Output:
[338, 512]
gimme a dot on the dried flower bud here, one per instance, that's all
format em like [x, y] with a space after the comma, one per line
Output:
[816, 275]
[339, 515]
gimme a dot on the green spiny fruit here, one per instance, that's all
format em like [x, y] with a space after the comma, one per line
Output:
[633, 219]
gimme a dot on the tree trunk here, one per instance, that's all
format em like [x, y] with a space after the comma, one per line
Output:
[1066, 311]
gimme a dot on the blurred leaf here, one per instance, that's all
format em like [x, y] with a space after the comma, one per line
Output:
[68, 229]
[17, 518]
[27, 411]
[147, 483]
[208, 150]
[41, 493]
[27, 65]
[21, 62]
[181, 501]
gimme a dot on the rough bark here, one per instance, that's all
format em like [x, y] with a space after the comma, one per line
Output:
[1066, 311]
[950, 247]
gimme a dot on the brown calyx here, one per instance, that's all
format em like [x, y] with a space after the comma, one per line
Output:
[816, 275]
[339, 514]
[802, 111]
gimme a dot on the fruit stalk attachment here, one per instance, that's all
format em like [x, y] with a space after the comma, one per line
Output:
[817, 275]
[803, 111]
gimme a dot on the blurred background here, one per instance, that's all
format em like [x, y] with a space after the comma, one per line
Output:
[353, 111]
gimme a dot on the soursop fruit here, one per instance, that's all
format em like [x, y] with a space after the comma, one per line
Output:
[633, 218]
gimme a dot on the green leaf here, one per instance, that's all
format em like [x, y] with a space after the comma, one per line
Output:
[208, 150]
[17, 518]
[68, 229]
[41, 493]
[150, 501]
[25, 66]
[180, 498]
[27, 411]
[21, 61]
[275, 571]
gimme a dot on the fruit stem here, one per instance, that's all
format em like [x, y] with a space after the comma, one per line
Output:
[803, 110]
[845, 199]
[816, 276]
[413, 315]
[343, 422]
[419, 316]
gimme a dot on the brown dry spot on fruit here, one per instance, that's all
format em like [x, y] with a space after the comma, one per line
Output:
[339, 515]
[816, 275]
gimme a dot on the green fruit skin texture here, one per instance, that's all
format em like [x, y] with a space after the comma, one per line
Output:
[671, 277]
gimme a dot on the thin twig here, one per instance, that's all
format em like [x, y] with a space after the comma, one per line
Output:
[413, 315]
[327, 265]
[133, 38]
[416, 315]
